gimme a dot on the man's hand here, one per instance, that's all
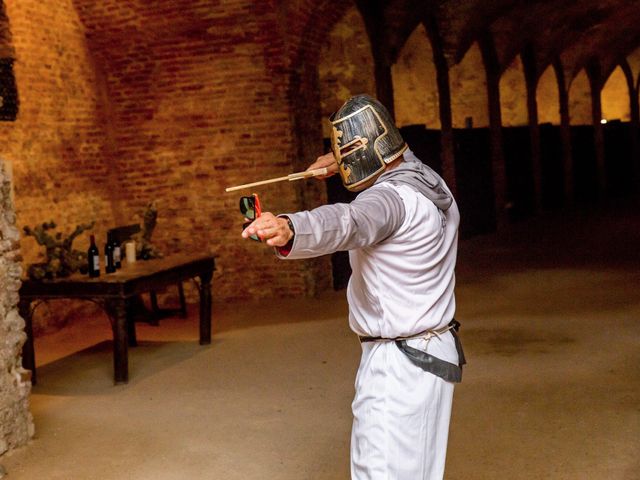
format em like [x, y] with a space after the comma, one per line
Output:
[272, 230]
[327, 160]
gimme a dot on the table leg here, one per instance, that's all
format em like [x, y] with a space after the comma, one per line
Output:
[118, 315]
[154, 316]
[183, 302]
[205, 307]
[131, 325]
[28, 352]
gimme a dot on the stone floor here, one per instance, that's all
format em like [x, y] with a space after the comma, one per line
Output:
[551, 327]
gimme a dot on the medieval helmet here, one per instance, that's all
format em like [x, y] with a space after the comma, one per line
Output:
[364, 139]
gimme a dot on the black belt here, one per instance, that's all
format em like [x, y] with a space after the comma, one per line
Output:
[448, 371]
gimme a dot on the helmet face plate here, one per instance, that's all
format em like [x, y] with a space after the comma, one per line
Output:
[354, 146]
[364, 140]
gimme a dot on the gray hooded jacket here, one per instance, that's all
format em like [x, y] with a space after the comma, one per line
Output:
[372, 217]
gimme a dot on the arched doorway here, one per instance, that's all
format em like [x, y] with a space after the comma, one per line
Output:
[416, 98]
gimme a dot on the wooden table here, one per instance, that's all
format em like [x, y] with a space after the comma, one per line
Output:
[113, 292]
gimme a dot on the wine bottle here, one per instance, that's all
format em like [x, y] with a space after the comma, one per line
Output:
[109, 261]
[93, 259]
[117, 253]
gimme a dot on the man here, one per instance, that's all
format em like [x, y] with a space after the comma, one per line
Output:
[401, 233]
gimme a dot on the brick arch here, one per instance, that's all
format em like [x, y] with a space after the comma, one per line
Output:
[304, 80]
[318, 19]
[346, 66]
[322, 17]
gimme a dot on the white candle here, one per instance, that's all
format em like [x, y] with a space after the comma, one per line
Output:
[130, 248]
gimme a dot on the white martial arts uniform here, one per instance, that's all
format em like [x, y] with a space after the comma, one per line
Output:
[402, 251]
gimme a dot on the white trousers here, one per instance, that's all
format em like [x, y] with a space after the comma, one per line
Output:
[400, 418]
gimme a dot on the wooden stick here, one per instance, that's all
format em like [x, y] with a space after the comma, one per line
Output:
[291, 177]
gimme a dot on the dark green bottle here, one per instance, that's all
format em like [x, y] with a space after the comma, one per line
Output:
[93, 259]
[109, 260]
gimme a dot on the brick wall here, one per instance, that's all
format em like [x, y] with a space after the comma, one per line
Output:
[122, 104]
[57, 144]
[198, 97]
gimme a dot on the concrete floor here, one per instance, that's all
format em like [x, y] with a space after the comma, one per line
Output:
[551, 328]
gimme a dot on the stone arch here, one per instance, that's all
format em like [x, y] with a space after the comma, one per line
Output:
[548, 97]
[615, 97]
[345, 66]
[414, 78]
[513, 95]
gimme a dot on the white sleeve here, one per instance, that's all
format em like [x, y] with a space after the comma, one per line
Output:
[372, 217]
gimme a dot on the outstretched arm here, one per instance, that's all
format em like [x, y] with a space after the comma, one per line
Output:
[371, 218]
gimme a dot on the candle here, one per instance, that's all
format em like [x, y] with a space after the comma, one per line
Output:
[130, 249]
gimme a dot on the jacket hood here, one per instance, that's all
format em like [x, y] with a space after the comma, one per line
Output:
[420, 177]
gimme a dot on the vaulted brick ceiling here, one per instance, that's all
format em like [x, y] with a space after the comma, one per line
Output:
[578, 32]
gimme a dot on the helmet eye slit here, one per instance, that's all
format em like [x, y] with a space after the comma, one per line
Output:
[358, 143]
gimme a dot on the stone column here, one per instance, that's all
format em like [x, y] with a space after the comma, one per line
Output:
[596, 82]
[16, 423]
[447, 146]
[384, 86]
[565, 132]
[493, 73]
[373, 14]
[531, 78]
